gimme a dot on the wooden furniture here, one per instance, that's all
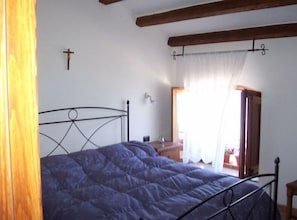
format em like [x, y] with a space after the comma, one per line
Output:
[168, 149]
[291, 191]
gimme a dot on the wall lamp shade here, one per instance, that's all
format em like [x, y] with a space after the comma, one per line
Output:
[149, 97]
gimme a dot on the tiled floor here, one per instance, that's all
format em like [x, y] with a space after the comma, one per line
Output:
[229, 171]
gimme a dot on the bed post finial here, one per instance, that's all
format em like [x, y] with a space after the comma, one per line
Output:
[128, 120]
[276, 172]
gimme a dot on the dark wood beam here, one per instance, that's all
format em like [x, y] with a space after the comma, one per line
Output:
[210, 9]
[266, 32]
[107, 2]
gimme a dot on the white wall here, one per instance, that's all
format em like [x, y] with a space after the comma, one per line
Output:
[114, 60]
[275, 74]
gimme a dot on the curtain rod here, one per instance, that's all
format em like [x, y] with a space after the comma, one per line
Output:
[262, 49]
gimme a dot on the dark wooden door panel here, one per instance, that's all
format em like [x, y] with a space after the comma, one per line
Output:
[250, 133]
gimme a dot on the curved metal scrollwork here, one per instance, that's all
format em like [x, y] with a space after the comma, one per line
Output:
[72, 119]
[229, 200]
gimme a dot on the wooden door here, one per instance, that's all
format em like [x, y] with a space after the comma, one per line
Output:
[6, 199]
[250, 133]
[20, 185]
[175, 91]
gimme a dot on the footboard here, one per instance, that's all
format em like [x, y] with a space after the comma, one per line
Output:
[234, 200]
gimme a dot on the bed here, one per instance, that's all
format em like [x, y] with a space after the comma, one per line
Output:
[129, 180]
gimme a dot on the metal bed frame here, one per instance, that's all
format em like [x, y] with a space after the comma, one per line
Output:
[73, 116]
[229, 202]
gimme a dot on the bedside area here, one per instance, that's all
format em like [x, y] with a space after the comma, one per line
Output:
[168, 149]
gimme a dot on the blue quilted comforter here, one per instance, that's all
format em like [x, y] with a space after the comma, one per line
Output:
[130, 181]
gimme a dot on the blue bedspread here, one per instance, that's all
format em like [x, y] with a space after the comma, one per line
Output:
[130, 181]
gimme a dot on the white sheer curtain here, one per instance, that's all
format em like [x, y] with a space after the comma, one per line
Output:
[208, 81]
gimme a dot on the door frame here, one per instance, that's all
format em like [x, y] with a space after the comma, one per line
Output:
[20, 182]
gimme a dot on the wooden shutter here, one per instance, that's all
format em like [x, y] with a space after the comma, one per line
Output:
[174, 92]
[250, 133]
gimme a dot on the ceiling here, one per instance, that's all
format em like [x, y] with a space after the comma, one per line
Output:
[230, 21]
[144, 7]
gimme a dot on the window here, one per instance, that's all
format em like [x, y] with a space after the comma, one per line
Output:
[241, 132]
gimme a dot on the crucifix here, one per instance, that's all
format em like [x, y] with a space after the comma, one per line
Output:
[68, 52]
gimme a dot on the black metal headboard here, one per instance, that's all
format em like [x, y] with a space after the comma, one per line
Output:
[73, 118]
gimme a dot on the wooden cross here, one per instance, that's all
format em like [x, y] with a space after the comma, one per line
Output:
[69, 52]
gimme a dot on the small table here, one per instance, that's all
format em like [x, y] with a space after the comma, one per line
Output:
[168, 149]
[291, 191]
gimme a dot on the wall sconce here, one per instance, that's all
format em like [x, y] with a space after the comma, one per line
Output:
[148, 96]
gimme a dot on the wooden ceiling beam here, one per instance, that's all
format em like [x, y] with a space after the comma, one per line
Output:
[266, 32]
[107, 2]
[210, 9]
